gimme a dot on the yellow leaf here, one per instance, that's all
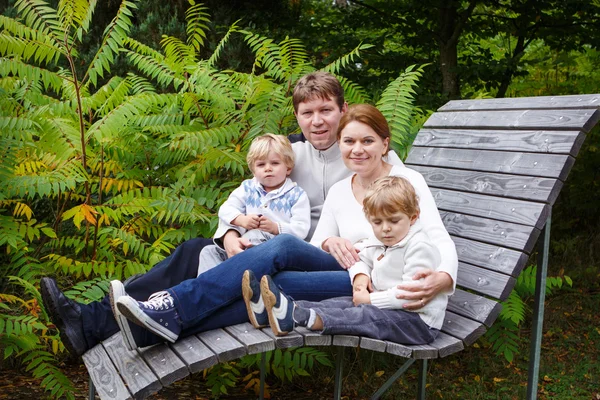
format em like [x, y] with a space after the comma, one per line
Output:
[55, 346]
[498, 380]
[379, 373]
[477, 378]
[547, 378]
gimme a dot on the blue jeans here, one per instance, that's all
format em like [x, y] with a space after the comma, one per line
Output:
[341, 317]
[203, 298]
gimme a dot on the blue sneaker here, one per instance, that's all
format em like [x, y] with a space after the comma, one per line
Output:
[158, 314]
[117, 290]
[254, 302]
[280, 307]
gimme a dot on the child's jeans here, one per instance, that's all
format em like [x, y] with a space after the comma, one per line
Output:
[213, 255]
[341, 317]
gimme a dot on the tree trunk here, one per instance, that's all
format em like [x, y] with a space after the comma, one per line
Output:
[511, 68]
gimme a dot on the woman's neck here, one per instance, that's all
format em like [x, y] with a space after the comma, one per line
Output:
[365, 180]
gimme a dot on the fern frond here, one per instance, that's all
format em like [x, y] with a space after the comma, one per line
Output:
[26, 49]
[114, 35]
[267, 52]
[336, 66]
[84, 25]
[221, 45]
[353, 93]
[197, 19]
[154, 69]
[38, 15]
[49, 79]
[73, 13]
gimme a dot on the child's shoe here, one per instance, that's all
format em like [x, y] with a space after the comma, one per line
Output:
[279, 307]
[158, 314]
[254, 302]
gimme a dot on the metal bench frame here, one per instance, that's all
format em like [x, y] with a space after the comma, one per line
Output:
[495, 168]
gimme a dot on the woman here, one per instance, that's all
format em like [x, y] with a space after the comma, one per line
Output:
[214, 298]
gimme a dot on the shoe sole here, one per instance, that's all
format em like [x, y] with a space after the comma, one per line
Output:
[247, 294]
[270, 300]
[116, 291]
[49, 302]
[130, 309]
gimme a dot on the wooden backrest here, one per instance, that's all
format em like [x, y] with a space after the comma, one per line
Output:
[495, 168]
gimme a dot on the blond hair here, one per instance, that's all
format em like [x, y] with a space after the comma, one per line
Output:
[322, 85]
[390, 194]
[262, 145]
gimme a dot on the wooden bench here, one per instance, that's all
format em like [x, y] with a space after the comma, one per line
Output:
[495, 168]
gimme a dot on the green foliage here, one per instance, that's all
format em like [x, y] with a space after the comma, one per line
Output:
[504, 335]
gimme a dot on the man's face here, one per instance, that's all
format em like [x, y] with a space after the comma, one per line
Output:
[319, 119]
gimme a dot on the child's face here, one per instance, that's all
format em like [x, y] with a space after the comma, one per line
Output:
[271, 171]
[391, 229]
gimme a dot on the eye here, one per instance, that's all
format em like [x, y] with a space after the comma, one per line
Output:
[376, 222]
[368, 141]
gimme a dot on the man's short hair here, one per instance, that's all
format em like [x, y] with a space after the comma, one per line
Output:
[322, 85]
[388, 195]
[262, 145]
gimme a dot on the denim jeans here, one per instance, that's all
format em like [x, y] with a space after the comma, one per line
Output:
[204, 297]
[341, 317]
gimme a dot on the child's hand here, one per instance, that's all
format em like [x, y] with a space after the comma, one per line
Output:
[250, 221]
[361, 296]
[266, 225]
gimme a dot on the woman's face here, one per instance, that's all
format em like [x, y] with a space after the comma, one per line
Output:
[362, 148]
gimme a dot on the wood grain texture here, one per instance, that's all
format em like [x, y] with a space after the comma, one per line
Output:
[165, 364]
[473, 306]
[502, 234]
[104, 375]
[138, 376]
[578, 101]
[293, 339]
[373, 344]
[346, 340]
[194, 353]
[447, 345]
[462, 328]
[563, 119]
[489, 256]
[531, 141]
[496, 208]
[485, 281]
[400, 350]
[510, 186]
[515, 163]
[222, 344]
[312, 338]
[254, 339]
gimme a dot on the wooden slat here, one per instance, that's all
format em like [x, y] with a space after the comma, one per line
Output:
[293, 339]
[446, 345]
[346, 340]
[539, 102]
[254, 339]
[194, 353]
[497, 208]
[222, 344]
[313, 338]
[462, 328]
[165, 363]
[373, 344]
[105, 377]
[485, 281]
[515, 186]
[530, 164]
[503, 234]
[529, 141]
[139, 378]
[475, 307]
[492, 257]
[398, 349]
[563, 119]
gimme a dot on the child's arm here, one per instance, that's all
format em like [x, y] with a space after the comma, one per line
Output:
[419, 255]
[298, 224]
[233, 210]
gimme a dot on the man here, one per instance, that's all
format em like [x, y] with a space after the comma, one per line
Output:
[318, 106]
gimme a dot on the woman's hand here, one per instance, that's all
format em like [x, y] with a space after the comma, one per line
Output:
[342, 250]
[427, 284]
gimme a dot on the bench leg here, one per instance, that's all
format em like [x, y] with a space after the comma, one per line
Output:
[392, 379]
[538, 313]
[339, 364]
[263, 367]
[422, 380]
[92, 392]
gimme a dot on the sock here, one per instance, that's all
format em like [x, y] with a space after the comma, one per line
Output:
[301, 315]
[312, 319]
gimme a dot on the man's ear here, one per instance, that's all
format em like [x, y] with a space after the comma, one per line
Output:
[344, 108]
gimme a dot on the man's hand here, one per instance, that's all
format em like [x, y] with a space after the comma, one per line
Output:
[250, 221]
[425, 286]
[266, 225]
[361, 296]
[234, 244]
[342, 250]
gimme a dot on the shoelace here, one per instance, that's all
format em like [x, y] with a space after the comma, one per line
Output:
[160, 301]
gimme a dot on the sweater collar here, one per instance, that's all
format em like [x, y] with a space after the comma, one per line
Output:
[331, 154]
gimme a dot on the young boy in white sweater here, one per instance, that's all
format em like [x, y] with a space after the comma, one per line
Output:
[398, 250]
[266, 205]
